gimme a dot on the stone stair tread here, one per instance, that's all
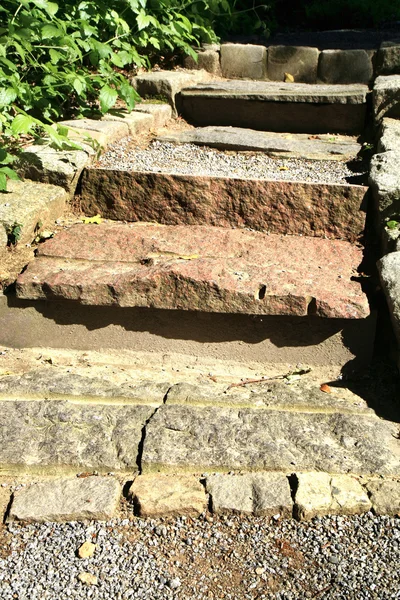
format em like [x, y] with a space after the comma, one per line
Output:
[197, 268]
[300, 145]
[276, 106]
[63, 416]
[275, 91]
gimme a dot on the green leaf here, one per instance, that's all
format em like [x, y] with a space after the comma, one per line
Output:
[7, 95]
[10, 173]
[107, 97]
[50, 31]
[142, 20]
[55, 56]
[3, 182]
[22, 124]
[78, 85]
[392, 224]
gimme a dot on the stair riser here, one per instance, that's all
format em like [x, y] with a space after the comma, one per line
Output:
[265, 340]
[295, 117]
[285, 207]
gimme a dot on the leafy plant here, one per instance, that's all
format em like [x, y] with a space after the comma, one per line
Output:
[6, 172]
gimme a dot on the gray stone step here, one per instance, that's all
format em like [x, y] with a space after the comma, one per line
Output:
[273, 106]
[68, 423]
[300, 145]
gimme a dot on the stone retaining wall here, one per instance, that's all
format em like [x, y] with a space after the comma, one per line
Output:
[298, 63]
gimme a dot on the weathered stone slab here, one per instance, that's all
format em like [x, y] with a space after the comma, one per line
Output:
[389, 271]
[207, 59]
[388, 58]
[245, 61]
[320, 494]
[136, 122]
[384, 178]
[66, 500]
[30, 205]
[193, 439]
[294, 145]
[57, 436]
[273, 106]
[56, 384]
[160, 495]
[161, 113]
[301, 395]
[207, 269]
[299, 208]
[385, 496]
[389, 139]
[104, 132]
[48, 165]
[386, 97]
[262, 494]
[345, 66]
[166, 84]
[300, 61]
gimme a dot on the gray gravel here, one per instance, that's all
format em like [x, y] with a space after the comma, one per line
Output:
[189, 159]
[231, 557]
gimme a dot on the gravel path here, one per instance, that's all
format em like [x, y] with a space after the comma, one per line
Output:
[207, 558]
[189, 159]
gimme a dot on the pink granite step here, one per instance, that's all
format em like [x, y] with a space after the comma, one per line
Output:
[197, 268]
[282, 207]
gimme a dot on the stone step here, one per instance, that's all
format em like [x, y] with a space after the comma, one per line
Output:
[197, 268]
[221, 189]
[273, 106]
[66, 419]
[298, 145]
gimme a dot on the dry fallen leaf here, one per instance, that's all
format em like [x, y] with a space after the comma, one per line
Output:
[325, 388]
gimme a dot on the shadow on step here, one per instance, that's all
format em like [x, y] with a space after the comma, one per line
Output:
[265, 339]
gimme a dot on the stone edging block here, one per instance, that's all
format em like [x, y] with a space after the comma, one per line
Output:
[66, 500]
[266, 494]
[160, 495]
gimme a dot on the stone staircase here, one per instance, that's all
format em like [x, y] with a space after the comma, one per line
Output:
[260, 272]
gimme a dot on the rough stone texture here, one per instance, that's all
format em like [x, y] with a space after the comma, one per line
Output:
[244, 61]
[161, 113]
[272, 106]
[136, 122]
[45, 384]
[389, 139]
[320, 494]
[166, 84]
[32, 205]
[160, 495]
[309, 209]
[57, 436]
[300, 61]
[345, 66]
[384, 496]
[66, 500]
[384, 177]
[57, 167]
[261, 494]
[300, 395]
[386, 97]
[274, 144]
[207, 59]
[389, 271]
[197, 268]
[388, 58]
[194, 439]
[104, 132]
